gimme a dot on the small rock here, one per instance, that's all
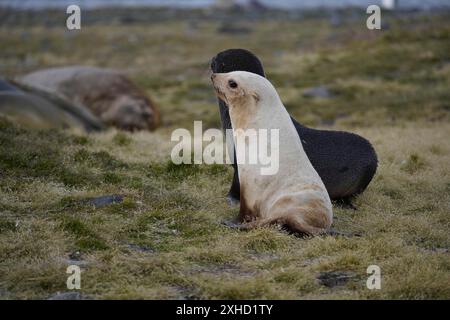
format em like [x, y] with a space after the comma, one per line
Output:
[317, 92]
[71, 262]
[75, 259]
[335, 278]
[186, 293]
[334, 233]
[76, 255]
[103, 201]
[69, 296]
[435, 250]
[231, 224]
[140, 249]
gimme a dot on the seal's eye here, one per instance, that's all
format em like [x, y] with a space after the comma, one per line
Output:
[232, 84]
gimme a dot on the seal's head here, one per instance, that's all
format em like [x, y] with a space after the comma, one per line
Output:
[131, 113]
[241, 89]
[236, 60]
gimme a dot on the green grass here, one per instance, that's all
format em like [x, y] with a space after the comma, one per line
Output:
[166, 239]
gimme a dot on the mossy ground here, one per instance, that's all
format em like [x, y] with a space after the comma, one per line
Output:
[166, 240]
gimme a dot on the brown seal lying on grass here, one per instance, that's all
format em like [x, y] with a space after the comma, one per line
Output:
[294, 195]
[109, 94]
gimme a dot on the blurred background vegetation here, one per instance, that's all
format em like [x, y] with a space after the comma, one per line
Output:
[368, 76]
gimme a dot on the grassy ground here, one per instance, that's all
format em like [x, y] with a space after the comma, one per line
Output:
[165, 240]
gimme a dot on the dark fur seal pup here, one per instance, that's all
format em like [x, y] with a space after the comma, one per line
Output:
[109, 94]
[293, 195]
[345, 161]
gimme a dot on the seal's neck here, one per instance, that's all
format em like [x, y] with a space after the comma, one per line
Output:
[243, 116]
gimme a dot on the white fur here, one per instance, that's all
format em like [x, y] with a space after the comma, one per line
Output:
[255, 104]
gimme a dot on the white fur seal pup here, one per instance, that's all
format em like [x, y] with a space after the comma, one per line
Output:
[295, 196]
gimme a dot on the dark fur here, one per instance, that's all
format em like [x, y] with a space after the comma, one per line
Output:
[345, 161]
